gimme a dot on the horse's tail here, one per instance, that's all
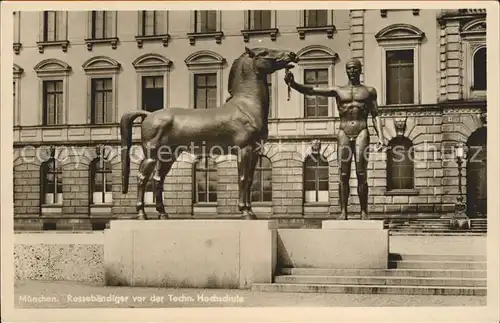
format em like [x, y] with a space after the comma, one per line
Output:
[126, 142]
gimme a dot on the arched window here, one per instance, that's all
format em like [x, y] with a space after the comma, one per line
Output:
[400, 167]
[479, 69]
[51, 182]
[262, 187]
[316, 178]
[101, 181]
[205, 174]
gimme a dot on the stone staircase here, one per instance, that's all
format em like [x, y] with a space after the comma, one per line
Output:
[433, 227]
[409, 274]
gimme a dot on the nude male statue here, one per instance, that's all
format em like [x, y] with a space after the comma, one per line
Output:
[355, 102]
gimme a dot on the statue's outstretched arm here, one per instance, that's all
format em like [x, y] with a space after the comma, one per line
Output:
[313, 90]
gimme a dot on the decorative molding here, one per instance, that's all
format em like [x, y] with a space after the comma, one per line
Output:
[483, 118]
[317, 53]
[52, 66]
[17, 48]
[99, 64]
[383, 12]
[142, 39]
[400, 32]
[204, 59]
[400, 125]
[315, 147]
[42, 44]
[329, 30]
[113, 41]
[272, 32]
[475, 27]
[217, 35]
[152, 61]
[17, 71]
[460, 14]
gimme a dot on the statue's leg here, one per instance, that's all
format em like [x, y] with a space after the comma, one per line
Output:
[146, 168]
[244, 159]
[160, 175]
[361, 156]
[344, 156]
[254, 157]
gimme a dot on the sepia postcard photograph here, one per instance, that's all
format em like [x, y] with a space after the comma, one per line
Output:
[250, 161]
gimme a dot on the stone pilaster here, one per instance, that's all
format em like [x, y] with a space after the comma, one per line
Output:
[356, 36]
[442, 91]
[453, 61]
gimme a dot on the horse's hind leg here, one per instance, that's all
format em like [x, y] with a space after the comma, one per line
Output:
[162, 172]
[244, 163]
[253, 158]
[146, 168]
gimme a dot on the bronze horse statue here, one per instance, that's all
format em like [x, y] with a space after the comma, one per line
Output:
[237, 127]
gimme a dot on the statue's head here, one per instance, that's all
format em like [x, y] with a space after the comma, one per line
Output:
[268, 60]
[353, 68]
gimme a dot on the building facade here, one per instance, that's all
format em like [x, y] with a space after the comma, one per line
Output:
[77, 72]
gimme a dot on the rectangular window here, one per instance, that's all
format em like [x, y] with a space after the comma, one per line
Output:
[50, 26]
[152, 23]
[205, 91]
[101, 24]
[205, 21]
[400, 76]
[259, 19]
[315, 18]
[206, 179]
[316, 106]
[52, 102]
[152, 93]
[102, 101]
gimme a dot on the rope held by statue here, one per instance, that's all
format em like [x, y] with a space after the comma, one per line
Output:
[287, 70]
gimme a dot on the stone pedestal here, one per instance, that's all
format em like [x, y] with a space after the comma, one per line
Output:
[190, 253]
[338, 245]
[353, 224]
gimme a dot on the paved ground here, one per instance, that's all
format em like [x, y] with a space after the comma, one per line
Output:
[38, 294]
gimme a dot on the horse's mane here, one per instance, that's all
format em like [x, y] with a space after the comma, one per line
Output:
[232, 72]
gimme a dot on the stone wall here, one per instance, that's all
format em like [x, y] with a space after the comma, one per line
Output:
[433, 135]
[59, 256]
[80, 256]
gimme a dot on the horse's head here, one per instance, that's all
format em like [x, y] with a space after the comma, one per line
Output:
[267, 60]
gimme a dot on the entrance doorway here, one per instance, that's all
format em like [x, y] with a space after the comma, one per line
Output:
[477, 174]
